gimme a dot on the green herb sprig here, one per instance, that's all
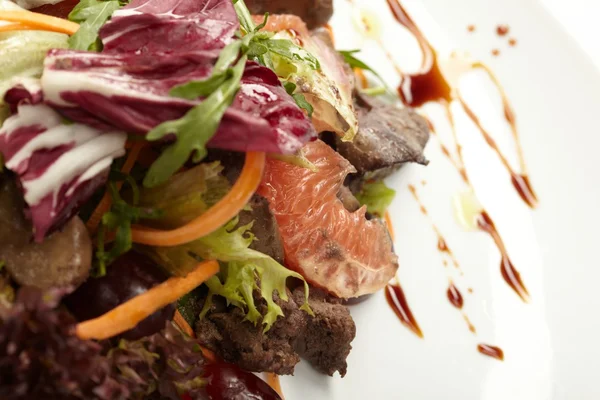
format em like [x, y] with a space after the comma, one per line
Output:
[354, 62]
[119, 219]
[199, 125]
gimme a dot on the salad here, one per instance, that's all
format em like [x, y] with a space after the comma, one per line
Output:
[191, 191]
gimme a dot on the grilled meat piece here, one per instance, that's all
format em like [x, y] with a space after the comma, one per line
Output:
[265, 229]
[326, 340]
[313, 12]
[63, 259]
[387, 137]
[238, 341]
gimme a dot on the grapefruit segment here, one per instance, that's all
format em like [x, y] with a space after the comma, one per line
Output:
[333, 248]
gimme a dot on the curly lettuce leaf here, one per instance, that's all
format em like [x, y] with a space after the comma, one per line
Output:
[376, 196]
[242, 268]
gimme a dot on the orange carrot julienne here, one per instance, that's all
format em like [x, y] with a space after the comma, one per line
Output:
[273, 381]
[215, 217]
[42, 22]
[185, 327]
[127, 315]
[15, 26]
[105, 203]
[388, 222]
[182, 324]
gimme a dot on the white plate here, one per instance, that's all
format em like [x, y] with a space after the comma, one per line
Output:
[550, 344]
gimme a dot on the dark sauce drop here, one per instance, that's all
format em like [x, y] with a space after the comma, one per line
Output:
[455, 297]
[442, 245]
[502, 30]
[491, 351]
[512, 42]
[471, 28]
[397, 300]
[495, 52]
[509, 273]
[429, 84]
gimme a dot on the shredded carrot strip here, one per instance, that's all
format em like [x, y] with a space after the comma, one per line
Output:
[273, 381]
[105, 203]
[360, 75]
[15, 26]
[218, 215]
[39, 21]
[127, 315]
[388, 222]
[184, 326]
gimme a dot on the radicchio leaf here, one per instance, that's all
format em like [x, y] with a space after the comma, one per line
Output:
[150, 48]
[58, 165]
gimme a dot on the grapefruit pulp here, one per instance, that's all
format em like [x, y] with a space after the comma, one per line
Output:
[333, 248]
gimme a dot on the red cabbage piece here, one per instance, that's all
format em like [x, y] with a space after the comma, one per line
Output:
[151, 47]
[58, 165]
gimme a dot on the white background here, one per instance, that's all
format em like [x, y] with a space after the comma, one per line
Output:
[581, 18]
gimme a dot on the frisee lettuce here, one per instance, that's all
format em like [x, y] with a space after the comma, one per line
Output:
[376, 196]
[242, 268]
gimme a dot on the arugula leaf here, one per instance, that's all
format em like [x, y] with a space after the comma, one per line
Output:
[356, 63]
[290, 87]
[287, 49]
[303, 104]
[376, 196]
[221, 72]
[193, 130]
[91, 15]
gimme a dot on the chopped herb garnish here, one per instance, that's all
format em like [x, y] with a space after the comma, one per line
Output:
[119, 220]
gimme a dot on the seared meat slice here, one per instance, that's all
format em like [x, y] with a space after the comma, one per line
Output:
[313, 12]
[265, 229]
[387, 137]
[240, 342]
[63, 259]
[326, 340]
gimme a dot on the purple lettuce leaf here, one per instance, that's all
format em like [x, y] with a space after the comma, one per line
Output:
[58, 165]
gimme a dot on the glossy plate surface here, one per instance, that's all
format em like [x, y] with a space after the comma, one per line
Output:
[549, 344]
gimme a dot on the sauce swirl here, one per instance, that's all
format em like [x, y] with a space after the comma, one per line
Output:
[509, 273]
[491, 351]
[397, 301]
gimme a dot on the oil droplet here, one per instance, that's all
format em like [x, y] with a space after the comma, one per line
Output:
[471, 28]
[512, 42]
[495, 52]
[367, 23]
[467, 209]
